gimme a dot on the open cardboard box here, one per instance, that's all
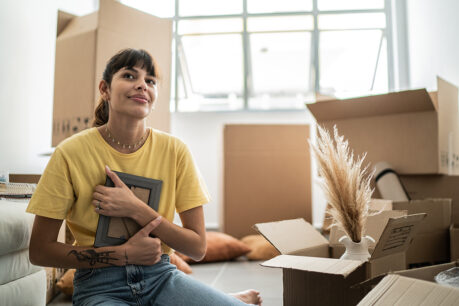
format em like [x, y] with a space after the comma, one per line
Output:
[325, 281]
[415, 132]
[84, 44]
[411, 287]
[376, 223]
[420, 187]
[431, 242]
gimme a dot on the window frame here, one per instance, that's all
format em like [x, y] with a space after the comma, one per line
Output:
[387, 33]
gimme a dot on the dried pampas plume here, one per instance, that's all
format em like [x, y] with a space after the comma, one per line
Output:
[346, 184]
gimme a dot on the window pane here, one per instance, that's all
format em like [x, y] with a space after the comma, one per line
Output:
[280, 69]
[260, 24]
[214, 66]
[272, 6]
[223, 25]
[209, 7]
[196, 103]
[352, 21]
[160, 8]
[381, 80]
[79, 8]
[348, 61]
[173, 76]
[332, 5]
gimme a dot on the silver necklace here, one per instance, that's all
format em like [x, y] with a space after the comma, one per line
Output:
[129, 146]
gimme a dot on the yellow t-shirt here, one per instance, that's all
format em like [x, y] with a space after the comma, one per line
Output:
[65, 190]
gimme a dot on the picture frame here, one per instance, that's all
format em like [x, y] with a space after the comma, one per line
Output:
[117, 230]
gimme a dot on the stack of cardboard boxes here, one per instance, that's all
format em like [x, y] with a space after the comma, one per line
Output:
[418, 134]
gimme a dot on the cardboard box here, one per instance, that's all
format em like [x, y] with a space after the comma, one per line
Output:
[326, 281]
[267, 176]
[52, 276]
[412, 287]
[400, 290]
[410, 130]
[431, 243]
[376, 206]
[83, 47]
[295, 237]
[318, 281]
[376, 223]
[454, 242]
[421, 187]
[25, 178]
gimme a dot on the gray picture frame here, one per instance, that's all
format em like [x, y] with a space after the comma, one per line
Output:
[117, 230]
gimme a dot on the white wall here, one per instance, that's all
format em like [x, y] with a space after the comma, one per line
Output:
[433, 32]
[27, 40]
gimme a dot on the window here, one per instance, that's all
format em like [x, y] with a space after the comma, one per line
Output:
[268, 55]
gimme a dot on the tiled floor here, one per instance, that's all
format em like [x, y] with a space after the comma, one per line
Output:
[231, 277]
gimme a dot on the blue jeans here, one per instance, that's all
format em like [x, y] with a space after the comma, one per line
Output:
[160, 284]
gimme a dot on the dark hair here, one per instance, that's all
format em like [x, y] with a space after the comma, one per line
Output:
[127, 58]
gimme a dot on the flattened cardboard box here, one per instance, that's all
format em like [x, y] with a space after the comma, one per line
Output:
[311, 280]
[411, 287]
[267, 175]
[400, 290]
[83, 47]
[410, 130]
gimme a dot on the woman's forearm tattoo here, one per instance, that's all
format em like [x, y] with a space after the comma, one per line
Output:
[93, 257]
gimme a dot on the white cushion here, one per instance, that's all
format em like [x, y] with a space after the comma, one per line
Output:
[29, 290]
[15, 226]
[16, 265]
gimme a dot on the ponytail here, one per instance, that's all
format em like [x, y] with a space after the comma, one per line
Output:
[101, 113]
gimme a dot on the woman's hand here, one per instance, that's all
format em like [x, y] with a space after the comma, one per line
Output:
[118, 201]
[141, 249]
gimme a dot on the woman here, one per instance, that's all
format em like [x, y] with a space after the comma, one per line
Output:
[137, 272]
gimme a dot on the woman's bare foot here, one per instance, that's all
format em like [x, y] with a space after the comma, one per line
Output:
[248, 296]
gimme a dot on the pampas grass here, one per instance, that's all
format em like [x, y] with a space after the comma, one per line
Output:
[346, 184]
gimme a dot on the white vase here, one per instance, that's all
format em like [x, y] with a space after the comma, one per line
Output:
[356, 250]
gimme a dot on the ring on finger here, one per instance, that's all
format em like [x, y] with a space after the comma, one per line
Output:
[98, 205]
